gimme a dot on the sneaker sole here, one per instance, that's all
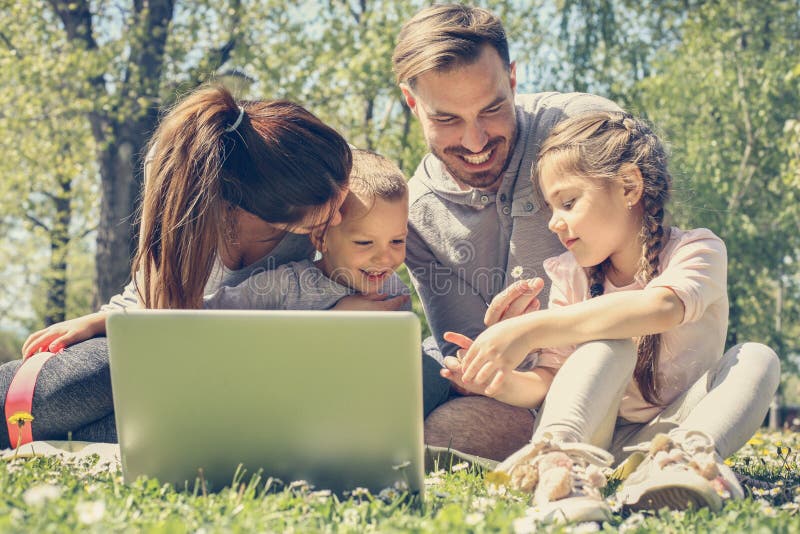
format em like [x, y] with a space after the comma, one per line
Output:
[575, 510]
[674, 498]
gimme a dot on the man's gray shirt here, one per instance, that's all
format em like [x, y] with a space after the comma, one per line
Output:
[464, 245]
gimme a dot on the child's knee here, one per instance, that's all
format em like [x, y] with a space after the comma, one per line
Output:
[617, 355]
[761, 361]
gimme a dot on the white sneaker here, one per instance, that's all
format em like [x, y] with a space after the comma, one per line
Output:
[681, 470]
[564, 478]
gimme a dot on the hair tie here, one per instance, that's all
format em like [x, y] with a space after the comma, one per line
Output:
[629, 124]
[236, 124]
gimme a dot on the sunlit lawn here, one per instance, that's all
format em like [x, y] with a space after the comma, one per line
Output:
[46, 495]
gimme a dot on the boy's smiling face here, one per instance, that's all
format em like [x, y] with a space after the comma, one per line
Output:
[368, 245]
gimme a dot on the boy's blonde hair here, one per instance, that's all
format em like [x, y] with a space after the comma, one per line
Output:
[375, 176]
[597, 145]
[443, 37]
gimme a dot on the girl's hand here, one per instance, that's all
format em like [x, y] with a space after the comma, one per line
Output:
[452, 366]
[61, 335]
[370, 303]
[517, 299]
[452, 371]
[492, 356]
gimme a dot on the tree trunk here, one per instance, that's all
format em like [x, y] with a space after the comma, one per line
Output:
[56, 278]
[116, 243]
[122, 141]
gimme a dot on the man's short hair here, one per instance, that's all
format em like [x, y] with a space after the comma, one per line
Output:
[443, 37]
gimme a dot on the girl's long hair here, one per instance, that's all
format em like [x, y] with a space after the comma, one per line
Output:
[597, 145]
[279, 163]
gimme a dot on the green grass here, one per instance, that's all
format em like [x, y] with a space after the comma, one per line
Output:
[46, 495]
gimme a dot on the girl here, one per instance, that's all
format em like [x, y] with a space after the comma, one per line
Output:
[231, 187]
[625, 276]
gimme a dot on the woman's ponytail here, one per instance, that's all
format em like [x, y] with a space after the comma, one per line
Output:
[182, 219]
[211, 155]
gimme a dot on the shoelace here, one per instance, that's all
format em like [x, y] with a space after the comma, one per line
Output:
[693, 450]
[588, 463]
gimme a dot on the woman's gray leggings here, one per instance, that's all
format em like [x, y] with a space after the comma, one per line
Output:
[72, 394]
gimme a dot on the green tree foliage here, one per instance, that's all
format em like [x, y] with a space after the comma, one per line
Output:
[82, 87]
[10, 343]
[48, 194]
[729, 106]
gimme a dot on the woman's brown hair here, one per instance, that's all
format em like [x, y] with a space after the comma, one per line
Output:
[211, 154]
[597, 145]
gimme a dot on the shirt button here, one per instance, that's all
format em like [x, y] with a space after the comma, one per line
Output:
[484, 198]
[506, 210]
[528, 207]
[503, 197]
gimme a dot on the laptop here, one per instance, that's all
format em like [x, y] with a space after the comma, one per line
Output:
[330, 398]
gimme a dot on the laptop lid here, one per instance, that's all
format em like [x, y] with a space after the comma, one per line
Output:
[332, 398]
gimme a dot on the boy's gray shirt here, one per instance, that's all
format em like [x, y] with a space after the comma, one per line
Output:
[462, 246]
[297, 285]
[292, 247]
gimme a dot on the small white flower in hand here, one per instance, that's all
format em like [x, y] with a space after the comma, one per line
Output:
[516, 272]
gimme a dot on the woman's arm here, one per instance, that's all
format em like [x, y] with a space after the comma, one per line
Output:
[614, 316]
[66, 333]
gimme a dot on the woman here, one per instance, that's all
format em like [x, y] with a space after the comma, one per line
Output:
[230, 188]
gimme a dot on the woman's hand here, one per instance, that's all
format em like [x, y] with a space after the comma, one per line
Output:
[61, 335]
[492, 356]
[517, 299]
[371, 303]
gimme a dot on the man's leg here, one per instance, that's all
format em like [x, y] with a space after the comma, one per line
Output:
[435, 388]
[480, 426]
[73, 390]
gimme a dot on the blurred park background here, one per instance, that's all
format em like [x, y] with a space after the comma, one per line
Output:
[82, 84]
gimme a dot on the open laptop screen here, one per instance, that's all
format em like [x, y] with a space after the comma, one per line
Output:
[332, 398]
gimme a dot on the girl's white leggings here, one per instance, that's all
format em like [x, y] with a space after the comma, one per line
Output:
[728, 403]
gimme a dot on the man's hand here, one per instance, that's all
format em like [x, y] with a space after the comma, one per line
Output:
[370, 303]
[517, 299]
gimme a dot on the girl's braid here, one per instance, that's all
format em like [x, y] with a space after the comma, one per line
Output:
[597, 276]
[656, 184]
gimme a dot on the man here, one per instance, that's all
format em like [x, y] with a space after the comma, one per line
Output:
[476, 220]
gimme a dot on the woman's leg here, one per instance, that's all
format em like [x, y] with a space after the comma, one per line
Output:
[72, 391]
[101, 431]
[728, 403]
